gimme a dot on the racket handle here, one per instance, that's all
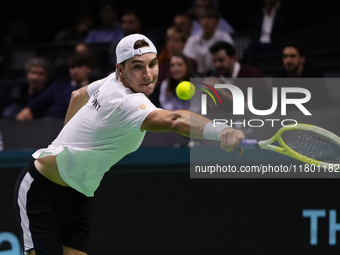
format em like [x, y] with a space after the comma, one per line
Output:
[248, 144]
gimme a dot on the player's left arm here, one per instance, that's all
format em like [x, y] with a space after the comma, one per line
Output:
[79, 98]
[189, 124]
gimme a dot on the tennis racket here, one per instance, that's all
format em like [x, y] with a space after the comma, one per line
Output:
[307, 143]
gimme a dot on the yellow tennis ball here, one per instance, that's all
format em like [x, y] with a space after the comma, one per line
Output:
[185, 90]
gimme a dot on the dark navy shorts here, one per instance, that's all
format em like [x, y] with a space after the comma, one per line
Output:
[51, 215]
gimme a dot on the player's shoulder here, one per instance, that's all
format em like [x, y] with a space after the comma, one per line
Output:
[134, 97]
[120, 95]
[135, 104]
[109, 90]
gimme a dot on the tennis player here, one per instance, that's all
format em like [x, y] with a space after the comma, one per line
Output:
[105, 121]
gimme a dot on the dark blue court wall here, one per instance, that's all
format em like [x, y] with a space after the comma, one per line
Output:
[155, 208]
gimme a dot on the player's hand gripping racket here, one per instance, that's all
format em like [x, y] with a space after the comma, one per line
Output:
[307, 143]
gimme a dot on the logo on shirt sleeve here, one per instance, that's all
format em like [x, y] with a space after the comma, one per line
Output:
[142, 106]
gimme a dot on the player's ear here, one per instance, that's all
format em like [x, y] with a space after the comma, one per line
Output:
[119, 68]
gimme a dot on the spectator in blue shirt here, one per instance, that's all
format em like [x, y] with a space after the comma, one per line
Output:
[54, 101]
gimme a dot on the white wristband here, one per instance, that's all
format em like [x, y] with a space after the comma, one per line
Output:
[213, 128]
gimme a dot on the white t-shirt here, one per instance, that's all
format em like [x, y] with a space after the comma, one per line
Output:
[197, 48]
[101, 133]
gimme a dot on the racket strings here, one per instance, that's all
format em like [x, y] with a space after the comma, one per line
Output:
[312, 145]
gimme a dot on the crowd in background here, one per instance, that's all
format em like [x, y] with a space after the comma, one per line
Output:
[199, 42]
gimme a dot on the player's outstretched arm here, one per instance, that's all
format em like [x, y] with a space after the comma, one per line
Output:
[79, 98]
[175, 121]
[192, 125]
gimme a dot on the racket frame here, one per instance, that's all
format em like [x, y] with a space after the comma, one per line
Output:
[287, 151]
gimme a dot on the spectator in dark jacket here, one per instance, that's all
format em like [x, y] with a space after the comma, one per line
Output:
[54, 101]
[37, 79]
[272, 24]
[230, 70]
[294, 60]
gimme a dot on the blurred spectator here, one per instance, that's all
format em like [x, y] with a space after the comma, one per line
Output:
[197, 46]
[53, 102]
[295, 67]
[175, 41]
[180, 69]
[131, 24]
[183, 21]
[61, 69]
[37, 76]
[97, 67]
[227, 65]
[5, 86]
[228, 69]
[16, 28]
[199, 6]
[271, 24]
[83, 48]
[109, 29]
[294, 62]
[77, 33]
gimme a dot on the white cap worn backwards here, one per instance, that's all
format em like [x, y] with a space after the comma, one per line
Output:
[125, 50]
